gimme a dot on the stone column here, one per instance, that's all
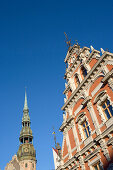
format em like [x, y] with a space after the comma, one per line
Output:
[75, 136]
[104, 149]
[68, 145]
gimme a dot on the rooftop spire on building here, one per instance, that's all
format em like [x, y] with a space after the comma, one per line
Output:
[26, 149]
[25, 102]
[25, 110]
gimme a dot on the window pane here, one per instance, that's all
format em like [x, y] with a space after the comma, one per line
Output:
[85, 73]
[107, 102]
[88, 130]
[111, 110]
[84, 125]
[107, 114]
[85, 131]
[103, 106]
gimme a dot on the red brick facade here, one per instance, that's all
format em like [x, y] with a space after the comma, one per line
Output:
[88, 110]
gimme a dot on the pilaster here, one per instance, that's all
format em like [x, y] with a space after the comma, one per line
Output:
[94, 118]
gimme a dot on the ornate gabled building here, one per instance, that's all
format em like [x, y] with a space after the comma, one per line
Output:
[26, 155]
[88, 110]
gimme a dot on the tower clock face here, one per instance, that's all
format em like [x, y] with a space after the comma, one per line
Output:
[26, 150]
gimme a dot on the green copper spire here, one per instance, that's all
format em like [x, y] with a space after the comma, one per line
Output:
[26, 150]
[26, 117]
[25, 102]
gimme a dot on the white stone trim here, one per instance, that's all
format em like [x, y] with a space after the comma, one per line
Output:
[109, 122]
[78, 110]
[94, 161]
[76, 136]
[99, 108]
[110, 62]
[68, 145]
[96, 89]
[93, 117]
[72, 83]
[63, 144]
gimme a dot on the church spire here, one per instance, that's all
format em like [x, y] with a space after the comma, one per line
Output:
[26, 117]
[25, 102]
[26, 149]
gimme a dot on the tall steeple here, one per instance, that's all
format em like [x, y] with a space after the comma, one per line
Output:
[26, 150]
[26, 117]
[25, 102]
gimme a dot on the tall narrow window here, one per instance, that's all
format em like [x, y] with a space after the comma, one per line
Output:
[86, 129]
[77, 81]
[107, 109]
[84, 71]
[26, 165]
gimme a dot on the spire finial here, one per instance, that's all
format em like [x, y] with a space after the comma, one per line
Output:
[25, 102]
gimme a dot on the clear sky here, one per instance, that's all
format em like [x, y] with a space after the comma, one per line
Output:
[32, 52]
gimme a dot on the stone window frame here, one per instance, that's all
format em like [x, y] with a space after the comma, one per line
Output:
[94, 162]
[82, 68]
[87, 67]
[80, 120]
[99, 99]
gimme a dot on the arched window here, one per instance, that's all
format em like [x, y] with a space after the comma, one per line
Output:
[107, 109]
[84, 71]
[83, 126]
[77, 81]
[86, 129]
[104, 106]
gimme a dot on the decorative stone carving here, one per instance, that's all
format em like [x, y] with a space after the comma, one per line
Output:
[110, 83]
[104, 149]
[101, 113]
[81, 162]
[72, 84]
[94, 118]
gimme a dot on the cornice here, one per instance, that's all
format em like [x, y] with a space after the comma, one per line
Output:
[86, 78]
[92, 154]
[65, 124]
[72, 66]
[67, 89]
[91, 55]
[107, 76]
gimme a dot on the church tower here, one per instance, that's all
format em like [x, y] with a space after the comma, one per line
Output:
[26, 154]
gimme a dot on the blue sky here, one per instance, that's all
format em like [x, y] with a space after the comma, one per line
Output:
[32, 52]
